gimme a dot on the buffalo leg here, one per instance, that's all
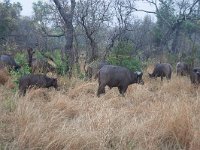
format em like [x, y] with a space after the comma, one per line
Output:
[169, 77]
[161, 78]
[120, 89]
[101, 89]
[123, 90]
[22, 92]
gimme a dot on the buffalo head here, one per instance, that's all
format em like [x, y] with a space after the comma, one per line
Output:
[139, 77]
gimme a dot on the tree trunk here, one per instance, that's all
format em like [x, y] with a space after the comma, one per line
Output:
[111, 44]
[30, 52]
[94, 50]
[167, 36]
[94, 47]
[68, 17]
[174, 48]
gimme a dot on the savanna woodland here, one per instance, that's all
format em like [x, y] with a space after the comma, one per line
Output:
[65, 40]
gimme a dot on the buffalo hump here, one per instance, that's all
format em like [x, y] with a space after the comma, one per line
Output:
[36, 80]
[162, 70]
[116, 76]
[182, 69]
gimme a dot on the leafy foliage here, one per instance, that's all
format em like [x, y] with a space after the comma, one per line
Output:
[9, 15]
[25, 69]
[121, 55]
[61, 62]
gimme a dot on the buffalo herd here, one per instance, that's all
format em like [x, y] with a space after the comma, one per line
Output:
[107, 75]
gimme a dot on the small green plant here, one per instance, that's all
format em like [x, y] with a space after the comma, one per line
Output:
[61, 63]
[38, 54]
[21, 72]
[77, 71]
[25, 69]
[121, 55]
[132, 63]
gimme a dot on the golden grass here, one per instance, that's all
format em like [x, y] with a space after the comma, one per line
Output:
[151, 116]
[5, 79]
[4, 76]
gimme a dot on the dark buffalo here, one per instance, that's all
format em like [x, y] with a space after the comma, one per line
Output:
[162, 70]
[182, 69]
[7, 60]
[116, 76]
[42, 66]
[195, 76]
[36, 80]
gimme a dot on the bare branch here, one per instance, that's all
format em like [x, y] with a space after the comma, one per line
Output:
[52, 35]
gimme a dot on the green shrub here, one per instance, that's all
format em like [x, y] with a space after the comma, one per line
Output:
[121, 56]
[25, 69]
[132, 63]
[21, 59]
[61, 63]
[38, 55]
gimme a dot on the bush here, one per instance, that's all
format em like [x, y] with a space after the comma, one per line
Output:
[25, 69]
[121, 56]
[61, 63]
[129, 62]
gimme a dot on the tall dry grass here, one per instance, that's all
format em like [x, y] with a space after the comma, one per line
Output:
[151, 116]
[5, 78]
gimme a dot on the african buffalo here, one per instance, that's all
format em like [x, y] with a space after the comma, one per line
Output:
[162, 70]
[116, 76]
[182, 69]
[195, 76]
[7, 60]
[37, 80]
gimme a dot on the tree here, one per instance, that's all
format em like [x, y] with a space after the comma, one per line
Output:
[122, 12]
[91, 15]
[9, 16]
[67, 17]
[171, 16]
[49, 23]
